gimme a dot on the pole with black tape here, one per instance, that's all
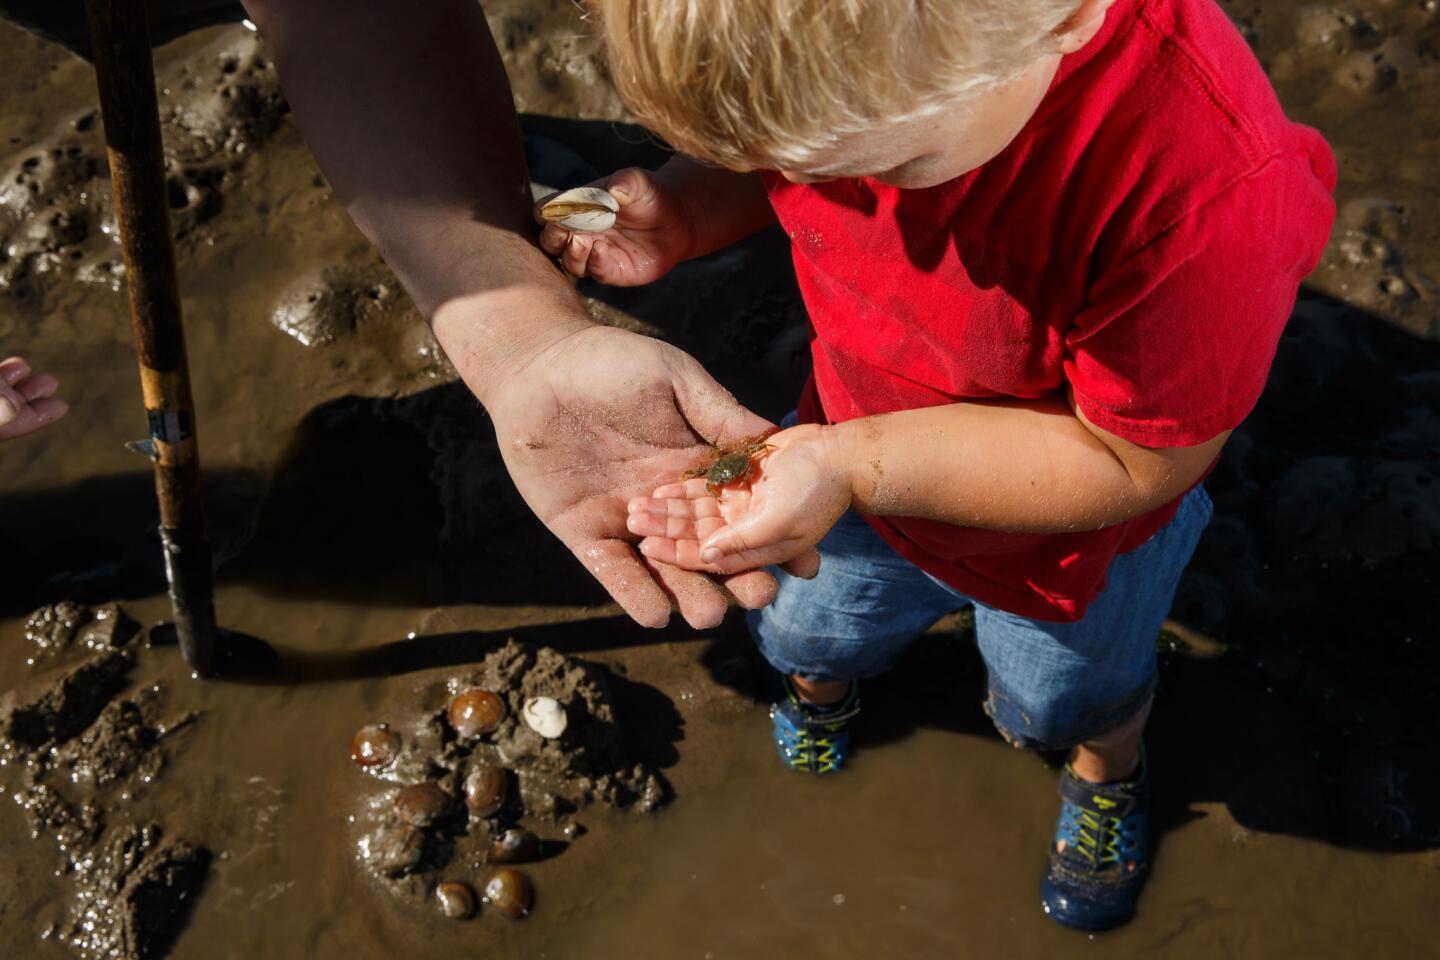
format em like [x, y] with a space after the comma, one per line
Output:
[125, 72]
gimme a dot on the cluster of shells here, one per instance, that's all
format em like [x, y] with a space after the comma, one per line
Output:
[422, 813]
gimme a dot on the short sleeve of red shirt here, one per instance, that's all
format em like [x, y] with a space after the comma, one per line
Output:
[1175, 342]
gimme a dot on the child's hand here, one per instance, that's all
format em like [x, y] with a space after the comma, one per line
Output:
[796, 495]
[653, 231]
[27, 400]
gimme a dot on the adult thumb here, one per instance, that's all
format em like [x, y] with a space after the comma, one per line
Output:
[710, 409]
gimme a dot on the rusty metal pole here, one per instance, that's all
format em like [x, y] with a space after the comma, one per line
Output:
[125, 72]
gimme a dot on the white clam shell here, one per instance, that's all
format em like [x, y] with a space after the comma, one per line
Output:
[584, 209]
[545, 716]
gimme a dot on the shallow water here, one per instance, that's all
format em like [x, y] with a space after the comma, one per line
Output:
[928, 846]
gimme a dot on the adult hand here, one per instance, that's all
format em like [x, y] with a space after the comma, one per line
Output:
[599, 418]
[27, 399]
[654, 230]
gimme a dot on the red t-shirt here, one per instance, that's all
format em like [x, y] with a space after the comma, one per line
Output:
[1141, 240]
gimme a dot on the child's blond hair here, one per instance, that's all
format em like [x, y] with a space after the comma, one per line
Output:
[769, 83]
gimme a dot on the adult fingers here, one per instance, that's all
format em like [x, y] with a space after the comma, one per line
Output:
[805, 566]
[711, 410]
[624, 577]
[752, 589]
[695, 595]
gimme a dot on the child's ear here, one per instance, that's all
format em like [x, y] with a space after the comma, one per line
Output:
[1082, 25]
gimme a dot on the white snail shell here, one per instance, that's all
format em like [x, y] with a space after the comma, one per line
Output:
[545, 716]
[584, 209]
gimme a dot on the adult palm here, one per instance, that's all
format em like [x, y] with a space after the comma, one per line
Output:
[601, 417]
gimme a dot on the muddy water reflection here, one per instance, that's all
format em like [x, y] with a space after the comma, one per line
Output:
[928, 847]
[931, 848]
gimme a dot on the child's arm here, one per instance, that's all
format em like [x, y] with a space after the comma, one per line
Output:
[1020, 465]
[680, 211]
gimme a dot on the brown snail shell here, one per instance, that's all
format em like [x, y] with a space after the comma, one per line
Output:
[421, 804]
[474, 712]
[374, 745]
[486, 788]
[515, 845]
[510, 891]
[457, 900]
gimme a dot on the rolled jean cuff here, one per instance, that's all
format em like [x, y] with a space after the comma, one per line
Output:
[1030, 730]
[821, 659]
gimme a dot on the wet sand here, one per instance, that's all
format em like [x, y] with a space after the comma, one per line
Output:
[356, 499]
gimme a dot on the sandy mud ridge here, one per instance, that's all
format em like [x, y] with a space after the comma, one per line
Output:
[79, 742]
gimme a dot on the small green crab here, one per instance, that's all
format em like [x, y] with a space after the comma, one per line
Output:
[733, 466]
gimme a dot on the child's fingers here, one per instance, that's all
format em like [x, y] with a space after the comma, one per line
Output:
[671, 527]
[12, 402]
[14, 369]
[754, 540]
[604, 266]
[698, 509]
[40, 385]
[49, 409]
[677, 553]
[576, 255]
[693, 489]
[30, 416]
[633, 189]
[553, 239]
[670, 491]
[773, 555]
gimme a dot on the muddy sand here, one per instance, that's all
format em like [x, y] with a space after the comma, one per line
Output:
[364, 527]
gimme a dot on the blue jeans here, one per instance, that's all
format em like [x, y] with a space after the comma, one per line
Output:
[1051, 685]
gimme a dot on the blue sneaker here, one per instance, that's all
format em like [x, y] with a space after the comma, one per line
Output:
[811, 738]
[1099, 861]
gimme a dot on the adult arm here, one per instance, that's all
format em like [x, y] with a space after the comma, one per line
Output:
[407, 110]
